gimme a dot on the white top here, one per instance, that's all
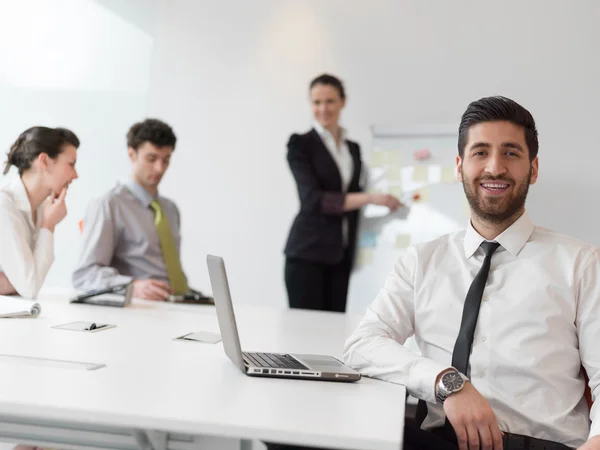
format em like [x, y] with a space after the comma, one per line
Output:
[341, 155]
[26, 249]
[343, 160]
[538, 323]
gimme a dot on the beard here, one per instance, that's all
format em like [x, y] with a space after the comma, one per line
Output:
[496, 210]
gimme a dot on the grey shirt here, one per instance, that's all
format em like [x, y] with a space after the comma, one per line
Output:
[120, 242]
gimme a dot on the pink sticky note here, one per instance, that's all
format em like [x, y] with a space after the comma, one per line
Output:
[422, 154]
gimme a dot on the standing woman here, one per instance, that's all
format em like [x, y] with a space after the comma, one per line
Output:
[327, 169]
[32, 205]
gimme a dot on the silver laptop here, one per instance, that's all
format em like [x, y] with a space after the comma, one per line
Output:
[280, 365]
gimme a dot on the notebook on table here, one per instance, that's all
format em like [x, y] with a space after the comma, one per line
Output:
[18, 307]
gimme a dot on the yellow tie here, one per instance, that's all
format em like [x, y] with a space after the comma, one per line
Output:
[176, 276]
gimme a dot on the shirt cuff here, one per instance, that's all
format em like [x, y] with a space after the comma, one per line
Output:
[422, 379]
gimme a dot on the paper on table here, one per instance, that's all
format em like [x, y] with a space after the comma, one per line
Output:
[58, 363]
[201, 336]
[18, 307]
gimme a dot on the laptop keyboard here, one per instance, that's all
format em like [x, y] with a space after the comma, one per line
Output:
[275, 360]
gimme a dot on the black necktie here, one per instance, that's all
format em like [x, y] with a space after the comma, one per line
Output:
[464, 341]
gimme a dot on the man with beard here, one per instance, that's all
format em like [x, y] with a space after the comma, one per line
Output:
[505, 313]
[132, 232]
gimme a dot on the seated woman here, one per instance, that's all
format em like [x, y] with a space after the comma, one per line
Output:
[32, 205]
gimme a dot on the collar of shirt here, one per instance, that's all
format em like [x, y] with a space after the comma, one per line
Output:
[512, 239]
[141, 194]
[20, 195]
[326, 134]
[22, 200]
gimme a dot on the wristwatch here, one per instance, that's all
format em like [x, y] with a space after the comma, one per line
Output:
[451, 382]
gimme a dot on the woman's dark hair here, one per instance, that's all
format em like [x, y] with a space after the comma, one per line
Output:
[154, 131]
[35, 141]
[329, 80]
[489, 109]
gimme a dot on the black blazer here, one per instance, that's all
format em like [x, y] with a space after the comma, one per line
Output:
[316, 234]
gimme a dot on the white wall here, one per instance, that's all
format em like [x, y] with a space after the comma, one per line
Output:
[231, 77]
[77, 64]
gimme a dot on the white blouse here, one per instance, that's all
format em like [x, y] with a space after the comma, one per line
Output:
[26, 249]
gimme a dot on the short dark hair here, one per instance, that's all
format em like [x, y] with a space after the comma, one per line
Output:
[329, 80]
[36, 140]
[154, 131]
[489, 109]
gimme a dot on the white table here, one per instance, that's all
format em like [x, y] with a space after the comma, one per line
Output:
[156, 393]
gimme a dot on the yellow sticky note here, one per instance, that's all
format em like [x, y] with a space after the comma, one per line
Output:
[403, 241]
[422, 195]
[364, 257]
[466, 208]
[394, 174]
[396, 191]
[448, 175]
[395, 158]
[420, 174]
[378, 158]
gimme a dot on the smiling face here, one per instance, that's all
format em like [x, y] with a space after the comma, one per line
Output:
[496, 171]
[327, 104]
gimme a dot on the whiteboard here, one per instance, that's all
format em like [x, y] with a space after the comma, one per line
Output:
[404, 162]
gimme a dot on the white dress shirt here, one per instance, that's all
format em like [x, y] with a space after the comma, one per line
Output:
[343, 160]
[539, 322]
[26, 249]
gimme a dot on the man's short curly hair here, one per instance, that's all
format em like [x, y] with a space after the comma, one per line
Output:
[154, 131]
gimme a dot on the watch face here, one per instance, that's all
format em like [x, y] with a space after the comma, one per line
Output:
[452, 381]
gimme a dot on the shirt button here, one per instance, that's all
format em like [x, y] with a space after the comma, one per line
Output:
[484, 299]
[483, 339]
[480, 374]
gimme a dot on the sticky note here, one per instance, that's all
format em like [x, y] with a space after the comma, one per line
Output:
[396, 191]
[395, 158]
[420, 174]
[422, 195]
[364, 257]
[368, 239]
[378, 158]
[466, 208]
[394, 174]
[403, 241]
[448, 175]
[422, 154]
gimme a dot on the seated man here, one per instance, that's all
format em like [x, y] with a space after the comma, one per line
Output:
[505, 314]
[132, 233]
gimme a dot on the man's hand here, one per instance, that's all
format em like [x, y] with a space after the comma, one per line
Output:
[151, 289]
[473, 420]
[592, 444]
[6, 288]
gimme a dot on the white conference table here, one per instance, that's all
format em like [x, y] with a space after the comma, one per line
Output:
[157, 393]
